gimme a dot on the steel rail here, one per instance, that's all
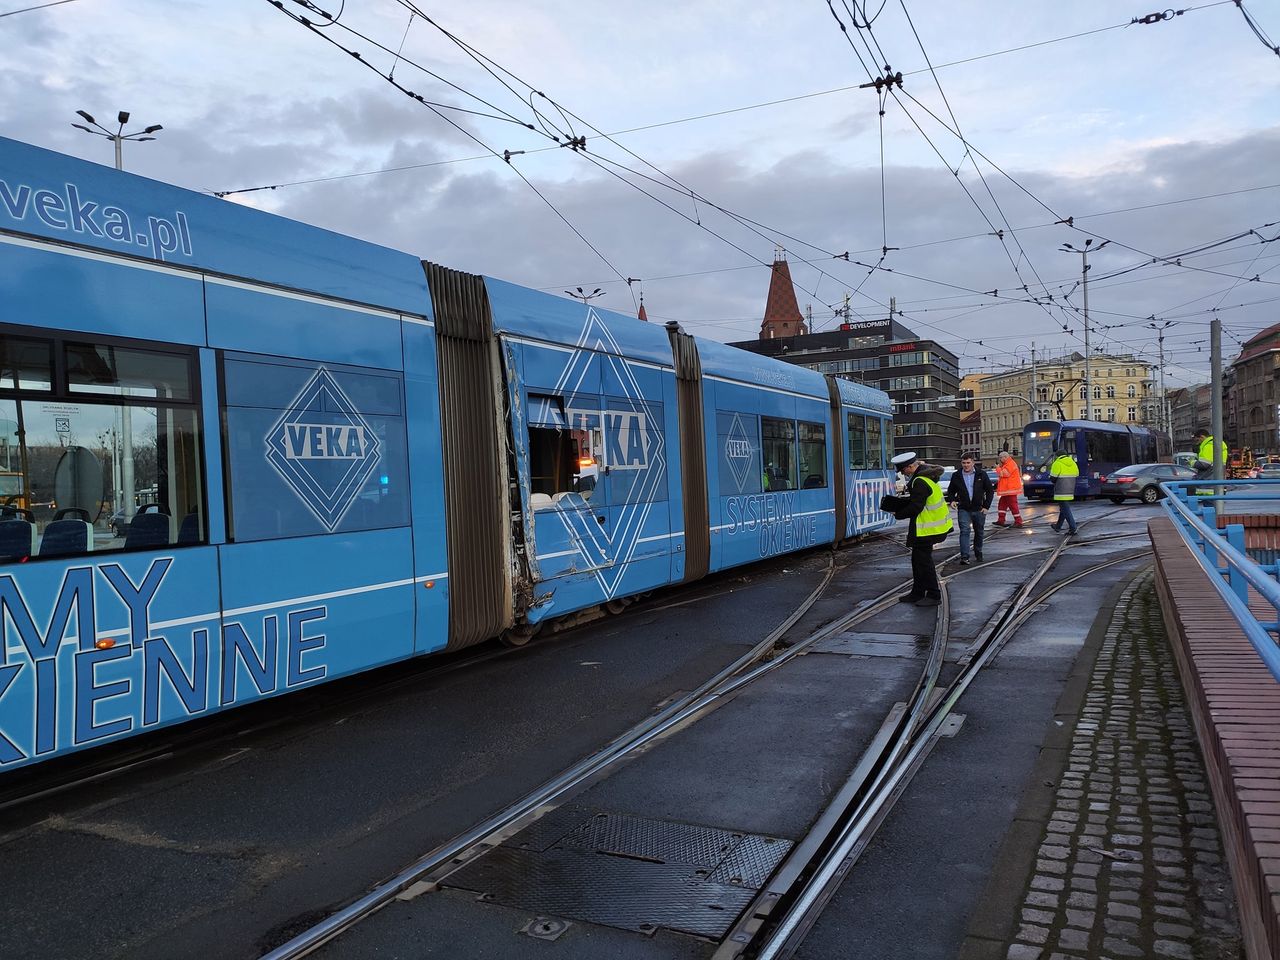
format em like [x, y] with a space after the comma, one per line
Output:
[853, 831]
[515, 816]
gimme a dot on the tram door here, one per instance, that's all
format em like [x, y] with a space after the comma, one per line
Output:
[566, 461]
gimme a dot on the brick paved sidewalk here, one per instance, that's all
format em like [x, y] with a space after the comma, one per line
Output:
[1131, 864]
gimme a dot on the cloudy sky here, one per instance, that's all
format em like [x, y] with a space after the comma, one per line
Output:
[716, 132]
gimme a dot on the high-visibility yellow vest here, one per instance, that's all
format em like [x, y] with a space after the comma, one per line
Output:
[935, 518]
[1064, 466]
[1205, 452]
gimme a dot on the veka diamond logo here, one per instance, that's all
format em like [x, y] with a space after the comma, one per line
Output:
[635, 448]
[737, 450]
[323, 449]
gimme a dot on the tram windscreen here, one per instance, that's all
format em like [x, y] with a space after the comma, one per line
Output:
[1038, 445]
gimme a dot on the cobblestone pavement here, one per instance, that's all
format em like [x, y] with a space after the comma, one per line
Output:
[1131, 864]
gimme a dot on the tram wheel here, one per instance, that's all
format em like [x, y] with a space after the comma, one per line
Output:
[520, 634]
[618, 604]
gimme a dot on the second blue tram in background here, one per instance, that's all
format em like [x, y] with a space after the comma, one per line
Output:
[246, 456]
[1099, 448]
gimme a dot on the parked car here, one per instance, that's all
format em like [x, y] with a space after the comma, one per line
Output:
[1142, 480]
[1269, 470]
[119, 523]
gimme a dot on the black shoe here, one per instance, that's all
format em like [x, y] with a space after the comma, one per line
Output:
[909, 598]
[978, 555]
[928, 601]
[1055, 528]
[964, 561]
[1071, 533]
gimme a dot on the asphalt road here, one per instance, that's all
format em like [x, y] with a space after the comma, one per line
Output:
[233, 847]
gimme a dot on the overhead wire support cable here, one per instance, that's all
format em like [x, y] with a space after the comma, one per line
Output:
[1257, 30]
[278, 4]
[771, 234]
[42, 6]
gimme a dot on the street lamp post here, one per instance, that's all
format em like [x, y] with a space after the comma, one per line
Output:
[119, 137]
[1164, 411]
[1084, 283]
[586, 297]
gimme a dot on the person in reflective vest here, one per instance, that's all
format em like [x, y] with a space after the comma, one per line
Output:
[1008, 489]
[1064, 471]
[930, 522]
[1204, 458]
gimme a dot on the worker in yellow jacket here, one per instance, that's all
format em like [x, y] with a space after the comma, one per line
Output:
[924, 505]
[1204, 458]
[1064, 471]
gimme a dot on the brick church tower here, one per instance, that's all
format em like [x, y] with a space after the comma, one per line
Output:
[782, 317]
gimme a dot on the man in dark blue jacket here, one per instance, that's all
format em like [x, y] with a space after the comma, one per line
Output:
[970, 491]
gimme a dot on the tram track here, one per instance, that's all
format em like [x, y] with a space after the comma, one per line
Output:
[428, 871]
[784, 910]
[231, 734]
[895, 745]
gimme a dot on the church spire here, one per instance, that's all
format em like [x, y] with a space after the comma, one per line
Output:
[782, 317]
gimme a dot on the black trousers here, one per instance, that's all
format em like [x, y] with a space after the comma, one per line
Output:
[924, 575]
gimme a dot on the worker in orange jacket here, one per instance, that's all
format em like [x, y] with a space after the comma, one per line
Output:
[1008, 489]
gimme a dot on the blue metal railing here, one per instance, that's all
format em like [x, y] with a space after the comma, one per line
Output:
[1222, 554]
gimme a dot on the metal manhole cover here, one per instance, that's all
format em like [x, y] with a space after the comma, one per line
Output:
[627, 872]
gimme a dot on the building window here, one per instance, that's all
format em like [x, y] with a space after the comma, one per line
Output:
[1111, 392]
[1133, 391]
[1059, 395]
[1111, 414]
[1133, 414]
[1097, 393]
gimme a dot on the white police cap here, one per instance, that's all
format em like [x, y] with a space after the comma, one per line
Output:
[903, 460]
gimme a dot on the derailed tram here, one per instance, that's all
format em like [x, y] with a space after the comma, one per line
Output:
[248, 456]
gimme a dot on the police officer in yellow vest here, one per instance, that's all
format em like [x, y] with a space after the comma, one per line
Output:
[1064, 471]
[1204, 457]
[922, 504]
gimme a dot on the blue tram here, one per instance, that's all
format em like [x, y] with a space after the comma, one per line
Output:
[248, 456]
[1099, 447]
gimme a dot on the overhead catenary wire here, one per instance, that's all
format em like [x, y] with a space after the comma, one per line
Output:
[279, 4]
[557, 122]
[1256, 28]
[42, 6]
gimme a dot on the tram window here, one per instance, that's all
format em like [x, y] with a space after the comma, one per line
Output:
[127, 371]
[778, 453]
[313, 449]
[81, 475]
[857, 426]
[875, 446]
[813, 455]
[561, 461]
[25, 364]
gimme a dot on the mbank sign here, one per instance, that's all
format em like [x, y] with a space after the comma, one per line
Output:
[323, 449]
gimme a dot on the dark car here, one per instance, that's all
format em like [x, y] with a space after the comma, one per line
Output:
[119, 523]
[1142, 480]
